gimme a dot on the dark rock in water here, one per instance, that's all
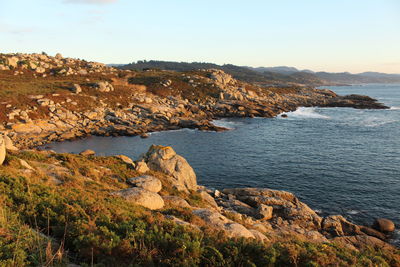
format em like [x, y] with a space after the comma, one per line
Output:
[284, 115]
[87, 152]
[384, 225]
[354, 101]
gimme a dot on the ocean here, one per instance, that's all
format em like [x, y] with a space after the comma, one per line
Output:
[337, 160]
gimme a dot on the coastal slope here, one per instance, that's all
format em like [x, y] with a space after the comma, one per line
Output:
[66, 209]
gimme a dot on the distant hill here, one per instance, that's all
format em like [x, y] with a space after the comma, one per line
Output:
[366, 77]
[267, 78]
[270, 76]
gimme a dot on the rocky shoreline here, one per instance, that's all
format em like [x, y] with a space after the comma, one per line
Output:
[94, 99]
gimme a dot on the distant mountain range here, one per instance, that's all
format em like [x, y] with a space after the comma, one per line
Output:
[270, 76]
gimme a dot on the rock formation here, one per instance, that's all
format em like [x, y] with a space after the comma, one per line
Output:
[2, 149]
[142, 197]
[164, 159]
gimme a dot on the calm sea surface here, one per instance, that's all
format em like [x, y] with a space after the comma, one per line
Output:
[337, 160]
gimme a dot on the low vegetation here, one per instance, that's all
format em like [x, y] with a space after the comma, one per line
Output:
[68, 216]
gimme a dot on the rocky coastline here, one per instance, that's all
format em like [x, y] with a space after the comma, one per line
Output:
[88, 98]
[66, 98]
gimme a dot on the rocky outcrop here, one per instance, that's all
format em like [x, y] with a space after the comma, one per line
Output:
[2, 149]
[165, 160]
[284, 205]
[104, 87]
[219, 221]
[141, 197]
[87, 153]
[337, 225]
[147, 182]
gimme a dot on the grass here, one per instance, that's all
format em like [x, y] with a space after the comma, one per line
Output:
[78, 221]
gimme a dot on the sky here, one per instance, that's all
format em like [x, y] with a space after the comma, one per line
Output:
[320, 35]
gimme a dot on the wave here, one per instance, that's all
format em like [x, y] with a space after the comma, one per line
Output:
[352, 212]
[307, 113]
[394, 108]
[226, 123]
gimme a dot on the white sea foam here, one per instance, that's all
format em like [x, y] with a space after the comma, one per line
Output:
[304, 112]
[226, 123]
[376, 121]
[352, 212]
[394, 108]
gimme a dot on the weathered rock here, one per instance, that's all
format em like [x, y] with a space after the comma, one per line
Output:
[141, 167]
[264, 212]
[12, 61]
[361, 242]
[181, 222]
[285, 205]
[164, 159]
[2, 149]
[9, 144]
[259, 236]
[337, 225]
[104, 87]
[142, 197]
[25, 164]
[373, 232]
[87, 152]
[208, 198]
[76, 89]
[174, 201]
[384, 225]
[126, 159]
[148, 182]
[217, 220]
[238, 230]
[220, 76]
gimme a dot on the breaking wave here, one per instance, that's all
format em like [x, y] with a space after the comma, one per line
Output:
[306, 113]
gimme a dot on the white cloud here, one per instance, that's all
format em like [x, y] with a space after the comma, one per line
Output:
[92, 2]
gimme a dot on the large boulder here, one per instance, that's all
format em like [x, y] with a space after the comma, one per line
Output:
[12, 61]
[220, 222]
[141, 167]
[174, 201]
[164, 159]
[220, 77]
[384, 225]
[104, 87]
[284, 205]
[142, 197]
[148, 182]
[9, 144]
[87, 153]
[337, 225]
[2, 150]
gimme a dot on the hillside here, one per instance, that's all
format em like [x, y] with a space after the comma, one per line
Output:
[265, 78]
[272, 76]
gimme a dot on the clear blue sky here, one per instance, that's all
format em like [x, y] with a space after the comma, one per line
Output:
[331, 35]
